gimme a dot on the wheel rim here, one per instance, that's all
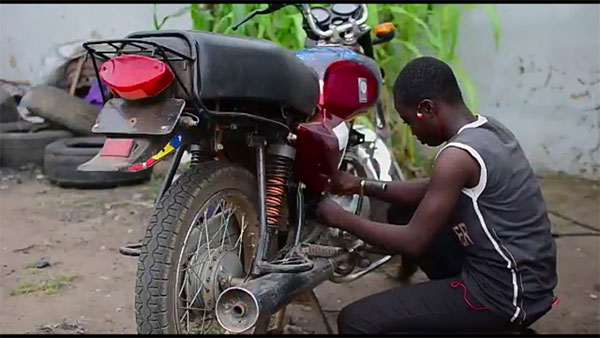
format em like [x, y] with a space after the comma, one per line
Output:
[217, 247]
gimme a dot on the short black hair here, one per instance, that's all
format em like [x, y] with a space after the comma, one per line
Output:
[426, 78]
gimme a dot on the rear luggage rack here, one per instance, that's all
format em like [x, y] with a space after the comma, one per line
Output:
[117, 47]
[143, 47]
[153, 49]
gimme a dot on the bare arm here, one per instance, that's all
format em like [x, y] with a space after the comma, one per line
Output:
[453, 170]
[407, 194]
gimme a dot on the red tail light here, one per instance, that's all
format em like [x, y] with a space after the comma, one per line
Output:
[348, 88]
[134, 77]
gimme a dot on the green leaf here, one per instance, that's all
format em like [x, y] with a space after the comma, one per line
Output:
[202, 18]
[411, 47]
[491, 9]
[300, 34]
[467, 87]
[261, 32]
[223, 24]
[373, 18]
[175, 14]
[454, 29]
[433, 40]
[268, 24]
[155, 18]
[239, 12]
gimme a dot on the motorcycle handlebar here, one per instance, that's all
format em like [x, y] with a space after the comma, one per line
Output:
[305, 9]
[326, 34]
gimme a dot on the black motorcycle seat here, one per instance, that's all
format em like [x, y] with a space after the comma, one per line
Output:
[234, 67]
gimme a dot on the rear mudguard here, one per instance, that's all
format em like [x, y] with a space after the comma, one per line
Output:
[139, 134]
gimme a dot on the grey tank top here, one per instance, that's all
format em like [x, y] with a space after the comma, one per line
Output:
[503, 224]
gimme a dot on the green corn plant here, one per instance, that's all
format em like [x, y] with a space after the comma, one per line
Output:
[422, 29]
[158, 25]
[283, 27]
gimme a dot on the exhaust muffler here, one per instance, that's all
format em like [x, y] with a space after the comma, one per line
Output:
[239, 308]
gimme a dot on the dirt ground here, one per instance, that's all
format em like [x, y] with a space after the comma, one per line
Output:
[89, 286]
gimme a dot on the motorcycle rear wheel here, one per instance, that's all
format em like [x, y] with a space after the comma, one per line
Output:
[202, 233]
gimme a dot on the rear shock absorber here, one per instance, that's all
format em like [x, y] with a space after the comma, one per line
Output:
[196, 156]
[278, 169]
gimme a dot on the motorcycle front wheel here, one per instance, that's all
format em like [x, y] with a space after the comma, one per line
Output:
[202, 233]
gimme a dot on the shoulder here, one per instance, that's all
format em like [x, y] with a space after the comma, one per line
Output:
[456, 163]
[457, 150]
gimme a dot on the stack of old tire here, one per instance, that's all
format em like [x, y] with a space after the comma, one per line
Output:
[61, 143]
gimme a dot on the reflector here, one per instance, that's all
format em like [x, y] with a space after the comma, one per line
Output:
[134, 77]
[117, 147]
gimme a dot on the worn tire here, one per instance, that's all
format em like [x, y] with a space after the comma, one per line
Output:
[170, 221]
[62, 158]
[8, 107]
[20, 127]
[58, 106]
[19, 147]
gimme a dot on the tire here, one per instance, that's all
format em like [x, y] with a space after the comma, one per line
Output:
[58, 106]
[19, 147]
[8, 108]
[20, 127]
[62, 158]
[165, 238]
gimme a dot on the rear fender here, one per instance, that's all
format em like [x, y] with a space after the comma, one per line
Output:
[139, 134]
[134, 154]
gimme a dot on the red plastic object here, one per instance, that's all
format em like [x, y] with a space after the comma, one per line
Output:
[135, 77]
[348, 88]
[117, 147]
[318, 152]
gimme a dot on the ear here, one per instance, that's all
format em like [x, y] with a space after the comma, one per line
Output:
[426, 107]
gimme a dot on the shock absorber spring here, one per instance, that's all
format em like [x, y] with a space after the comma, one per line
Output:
[195, 152]
[278, 169]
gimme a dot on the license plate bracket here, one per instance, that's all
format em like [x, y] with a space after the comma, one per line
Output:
[143, 117]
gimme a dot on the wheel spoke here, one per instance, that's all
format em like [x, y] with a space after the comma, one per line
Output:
[203, 316]
[205, 226]
[214, 221]
[185, 278]
[200, 289]
[216, 233]
[188, 315]
[240, 238]
[226, 224]
[194, 308]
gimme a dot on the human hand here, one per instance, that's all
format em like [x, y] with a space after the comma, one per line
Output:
[343, 183]
[331, 213]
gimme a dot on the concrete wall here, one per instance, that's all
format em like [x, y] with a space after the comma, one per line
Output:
[543, 82]
[29, 31]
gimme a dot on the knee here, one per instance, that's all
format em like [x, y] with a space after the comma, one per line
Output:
[350, 321]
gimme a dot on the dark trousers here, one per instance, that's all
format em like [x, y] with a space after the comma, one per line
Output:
[442, 304]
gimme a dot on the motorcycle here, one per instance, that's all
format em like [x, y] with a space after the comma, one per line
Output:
[234, 239]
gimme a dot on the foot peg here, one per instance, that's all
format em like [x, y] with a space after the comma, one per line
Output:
[131, 249]
[316, 250]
